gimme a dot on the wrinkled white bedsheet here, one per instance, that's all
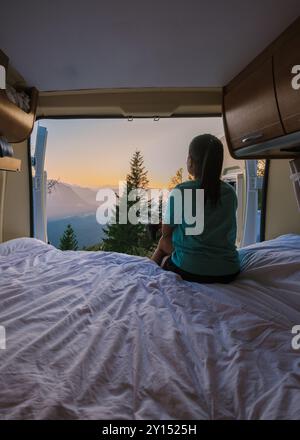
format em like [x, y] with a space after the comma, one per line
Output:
[96, 335]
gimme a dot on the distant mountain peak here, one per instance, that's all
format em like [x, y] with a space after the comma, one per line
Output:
[69, 200]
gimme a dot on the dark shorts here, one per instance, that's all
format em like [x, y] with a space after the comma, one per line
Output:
[204, 279]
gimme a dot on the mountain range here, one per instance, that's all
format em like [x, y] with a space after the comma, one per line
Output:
[65, 200]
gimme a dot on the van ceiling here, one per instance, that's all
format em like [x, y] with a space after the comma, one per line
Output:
[71, 45]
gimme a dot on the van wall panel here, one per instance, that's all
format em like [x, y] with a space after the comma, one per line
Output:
[16, 219]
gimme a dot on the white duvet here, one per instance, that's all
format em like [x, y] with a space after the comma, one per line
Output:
[93, 335]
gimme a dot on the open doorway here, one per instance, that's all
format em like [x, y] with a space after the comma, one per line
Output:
[74, 158]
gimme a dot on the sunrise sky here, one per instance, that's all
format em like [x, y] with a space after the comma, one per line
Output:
[96, 152]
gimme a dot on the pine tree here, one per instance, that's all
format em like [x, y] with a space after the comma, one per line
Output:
[68, 241]
[138, 176]
[175, 180]
[129, 238]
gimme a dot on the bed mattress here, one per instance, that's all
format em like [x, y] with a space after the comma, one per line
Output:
[99, 335]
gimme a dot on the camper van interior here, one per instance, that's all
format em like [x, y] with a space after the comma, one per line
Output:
[94, 93]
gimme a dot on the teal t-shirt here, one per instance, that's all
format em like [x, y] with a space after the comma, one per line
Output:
[212, 252]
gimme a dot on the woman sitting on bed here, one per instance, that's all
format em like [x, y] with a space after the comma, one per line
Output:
[211, 256]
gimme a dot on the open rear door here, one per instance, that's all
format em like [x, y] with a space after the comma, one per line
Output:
[40, 186]
[252, 213]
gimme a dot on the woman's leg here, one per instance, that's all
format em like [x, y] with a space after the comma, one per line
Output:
[202, 279]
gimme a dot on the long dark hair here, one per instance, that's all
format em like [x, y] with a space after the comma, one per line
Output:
[206, 153]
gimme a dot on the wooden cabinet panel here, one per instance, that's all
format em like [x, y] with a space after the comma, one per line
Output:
[15, 124]
[285, 58]
[251, 113]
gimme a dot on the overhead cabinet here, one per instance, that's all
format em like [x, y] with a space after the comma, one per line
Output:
[287, 82]
[261, 108]
[251, 110]
[17, 115]
[16, 124]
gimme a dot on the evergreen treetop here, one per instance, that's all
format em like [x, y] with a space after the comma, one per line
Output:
[68, 241]
[129, 238]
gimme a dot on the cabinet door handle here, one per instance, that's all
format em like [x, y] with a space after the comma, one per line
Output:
[252, 137]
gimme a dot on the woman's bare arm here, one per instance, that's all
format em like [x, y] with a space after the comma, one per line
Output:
[164, 245]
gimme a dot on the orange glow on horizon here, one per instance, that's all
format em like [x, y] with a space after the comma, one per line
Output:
[88, 181]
